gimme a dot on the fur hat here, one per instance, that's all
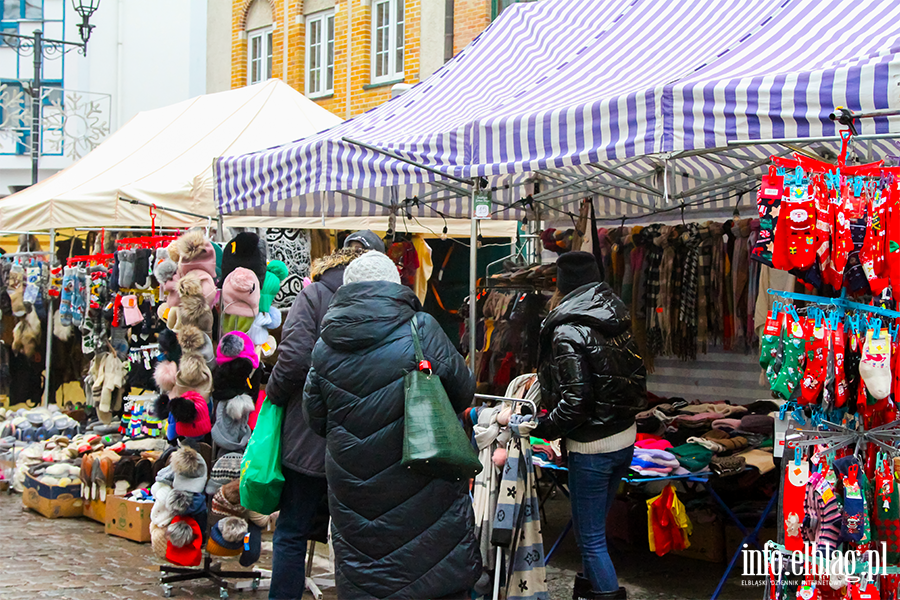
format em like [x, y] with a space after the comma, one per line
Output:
[193, 376]
[170, 291]
[240, 293]
[236, 344]
[372, 266]
[164, 268]
[185, 541]
[190, 470]
[232, 379]
[231, 431]
[195, 252]
[245, 250]
[339, 259]
[276, 273]
[165, 375]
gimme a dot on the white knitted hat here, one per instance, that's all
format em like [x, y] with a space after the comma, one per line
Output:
[371, 266]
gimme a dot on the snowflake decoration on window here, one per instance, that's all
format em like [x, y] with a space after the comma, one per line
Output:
[77, 121]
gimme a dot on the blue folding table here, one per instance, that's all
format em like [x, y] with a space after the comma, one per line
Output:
[750, 536]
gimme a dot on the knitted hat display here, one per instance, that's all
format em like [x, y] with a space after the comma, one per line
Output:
[193, 376]
[169, 346]
[226, 538]
[185, 541]
[730, 444]
[276, 273]
[763, 424]
[246, 250]
[231, 431]
[237, 323]
[227, 500]
[227, 468]
[189, 469]
[366, 238]
[160, 515]
[371, 266]
[262, 324]
[575, 269]
[240, 293]
[195, 252]
[191, 414]
[232, 379]
[236, 344]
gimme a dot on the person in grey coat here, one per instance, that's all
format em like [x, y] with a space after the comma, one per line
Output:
[302, 451]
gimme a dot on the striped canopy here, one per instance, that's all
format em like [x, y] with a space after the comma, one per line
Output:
[631, 102]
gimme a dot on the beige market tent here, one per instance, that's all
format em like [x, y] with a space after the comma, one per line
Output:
[165, 156]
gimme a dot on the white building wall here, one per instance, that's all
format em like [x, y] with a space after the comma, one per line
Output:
[142, 55]
[218, 46]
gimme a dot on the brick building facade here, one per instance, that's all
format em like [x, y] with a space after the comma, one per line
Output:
[305, 43]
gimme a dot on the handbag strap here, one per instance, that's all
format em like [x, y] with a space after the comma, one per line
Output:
[421, 363]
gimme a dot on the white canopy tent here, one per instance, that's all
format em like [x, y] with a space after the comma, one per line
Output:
[165, 157]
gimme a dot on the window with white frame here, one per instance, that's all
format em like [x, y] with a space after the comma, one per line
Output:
[387, 40]
[320, 54]
[259, 55]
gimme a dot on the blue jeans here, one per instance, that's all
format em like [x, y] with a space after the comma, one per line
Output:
[300, 499]
[593, 483]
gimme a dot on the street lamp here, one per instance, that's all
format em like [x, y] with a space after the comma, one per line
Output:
[40, 47]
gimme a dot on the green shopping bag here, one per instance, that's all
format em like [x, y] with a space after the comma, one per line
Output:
[261, 477]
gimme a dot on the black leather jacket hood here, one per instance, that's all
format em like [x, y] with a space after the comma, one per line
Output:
[593, 380]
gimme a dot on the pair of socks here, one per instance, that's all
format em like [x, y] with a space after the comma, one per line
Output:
[875, 365]
[792, 363]
[795, 237]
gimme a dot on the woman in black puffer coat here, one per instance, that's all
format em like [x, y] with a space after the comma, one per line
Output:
[593, 382]
[396, 534]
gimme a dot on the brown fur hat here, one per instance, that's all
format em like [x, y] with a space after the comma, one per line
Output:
[193, 376]
[27, 335]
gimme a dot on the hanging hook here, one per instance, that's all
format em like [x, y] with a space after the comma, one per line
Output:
[152, 219]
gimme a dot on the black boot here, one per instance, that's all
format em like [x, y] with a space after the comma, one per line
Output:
[582, 587]
[582, 593]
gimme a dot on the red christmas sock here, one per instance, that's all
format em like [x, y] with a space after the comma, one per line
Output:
[801, 215]
[840, 380]
[892, 245]
[872, 255]
[824, 220]
[780, 257]
[842, 244]
[816, 365]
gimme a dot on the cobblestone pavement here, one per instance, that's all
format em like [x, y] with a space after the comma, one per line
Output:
[75, 559]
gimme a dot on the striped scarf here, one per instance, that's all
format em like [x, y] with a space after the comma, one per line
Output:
[687, 315]
[703, 285]
[717, 284]
[664, 299]
[653, 260]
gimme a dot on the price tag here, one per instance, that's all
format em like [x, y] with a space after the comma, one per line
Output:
[482, 205]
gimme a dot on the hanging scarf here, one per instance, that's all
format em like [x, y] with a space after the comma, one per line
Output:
[653, 259]
[664, 301]
[488, 437]
[753, 292]
[717, 284]
[517, 524]
[687, 315]
[740, 278]
[703, 284]
[638, 296]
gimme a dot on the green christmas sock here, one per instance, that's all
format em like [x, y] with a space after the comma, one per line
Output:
[770, 347]
[792, 367]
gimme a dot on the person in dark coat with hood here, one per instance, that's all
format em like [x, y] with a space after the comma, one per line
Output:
[302, 451]
[396, 533]
[593, 382]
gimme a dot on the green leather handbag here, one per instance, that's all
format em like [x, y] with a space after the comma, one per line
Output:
[434, 442]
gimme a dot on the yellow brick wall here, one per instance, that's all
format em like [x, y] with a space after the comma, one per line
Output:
[471, 17]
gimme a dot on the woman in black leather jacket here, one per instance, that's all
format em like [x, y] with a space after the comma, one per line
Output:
[593, 382]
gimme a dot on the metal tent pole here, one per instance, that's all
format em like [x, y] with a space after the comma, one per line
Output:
[45, 401]
[473, 277]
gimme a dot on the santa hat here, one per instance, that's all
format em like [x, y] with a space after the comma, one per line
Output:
[185, 541]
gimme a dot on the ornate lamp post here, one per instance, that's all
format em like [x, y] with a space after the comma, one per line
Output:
[40, 47]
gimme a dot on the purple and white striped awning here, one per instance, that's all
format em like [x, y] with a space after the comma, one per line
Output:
[621, 100]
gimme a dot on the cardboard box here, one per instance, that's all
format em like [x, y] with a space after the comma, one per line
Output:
[52, 501]
[128, 519]
[733, 538]
[708, 538]
[96, 509]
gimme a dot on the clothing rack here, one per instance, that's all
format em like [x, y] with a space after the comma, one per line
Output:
[841, 302]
